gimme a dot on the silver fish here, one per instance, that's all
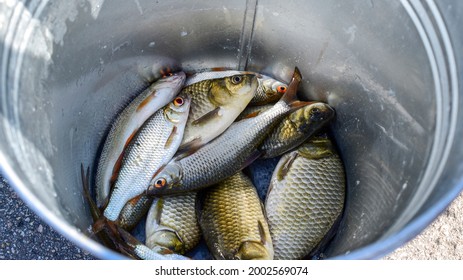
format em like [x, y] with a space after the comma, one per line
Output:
[133, 212]
[153, 146]
[146, 253]
[305, 198]
[127, 124]
[224, 156]
[253, 111]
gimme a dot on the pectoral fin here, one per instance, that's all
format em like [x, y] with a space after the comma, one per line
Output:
[251, 115]
[284, 169]
[145, 101]
[188, 148]
[172, 135]
[263, 237]
[216, 113]
[255, 155]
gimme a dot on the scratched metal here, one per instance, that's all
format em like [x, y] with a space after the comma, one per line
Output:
[390, 70]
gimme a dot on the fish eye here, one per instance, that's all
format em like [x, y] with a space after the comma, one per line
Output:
[237, 79]
[315, 111]
[281, 89]
[178, 101]
[160, 183]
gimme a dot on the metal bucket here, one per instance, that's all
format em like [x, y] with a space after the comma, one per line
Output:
[390, 69]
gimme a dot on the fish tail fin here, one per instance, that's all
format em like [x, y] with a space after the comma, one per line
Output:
[85, 176]
[290, 95]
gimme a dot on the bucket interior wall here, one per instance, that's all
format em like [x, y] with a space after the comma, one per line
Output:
[70, 68]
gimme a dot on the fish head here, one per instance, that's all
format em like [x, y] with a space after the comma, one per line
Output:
[224, 90]
[269, 90]
[172, 80]
[167, 178]
[177, 110]
[312, 116]
[167, 238]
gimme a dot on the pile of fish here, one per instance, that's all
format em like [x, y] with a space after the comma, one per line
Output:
[181, 157]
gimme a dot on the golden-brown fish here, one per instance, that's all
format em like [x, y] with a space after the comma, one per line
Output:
[305, 198]
[269, 89]
[233, 222]
[295, 128]
[227, 154]
[172, 223]
[215, 104]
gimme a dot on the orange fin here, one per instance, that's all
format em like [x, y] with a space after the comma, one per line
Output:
[117, 166]
[291, 93]
[130, 139]
[252, 115]
[219, 68]
[116, 169]
[208, 116]
[145, 101]
[298, 104]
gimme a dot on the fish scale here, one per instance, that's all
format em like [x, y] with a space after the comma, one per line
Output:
[153, 145]
[177, 213]
[215, 104]
[200, 103]
[127, 123]
[228, 222]
[227, 154]
[296, 128]
[302, 206]
[266, 91]
[220, 150]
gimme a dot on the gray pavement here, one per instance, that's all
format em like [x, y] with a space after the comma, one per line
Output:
[442, 240]
[25, 236]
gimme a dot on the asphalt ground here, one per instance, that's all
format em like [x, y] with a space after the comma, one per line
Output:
[24, 236]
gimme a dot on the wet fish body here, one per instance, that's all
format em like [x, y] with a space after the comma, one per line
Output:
[233, 222]
[153, 146]
[215, 104]
[131, 246]
[305, 198]
[133, 212]
[224, 156]
[172, 223]
[296, 128]
[268, 90]
[127, 124]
